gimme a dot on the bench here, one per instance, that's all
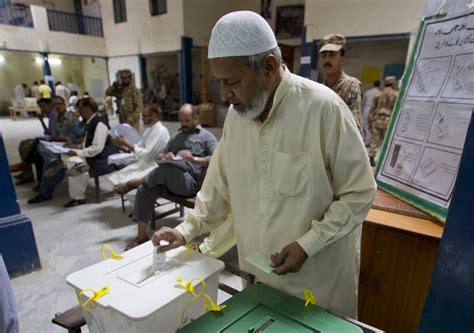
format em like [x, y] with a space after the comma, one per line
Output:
[72, 319]
[180, 203]
[14, 110]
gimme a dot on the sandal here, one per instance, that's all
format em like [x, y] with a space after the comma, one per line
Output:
[123, 188]
[135, 243]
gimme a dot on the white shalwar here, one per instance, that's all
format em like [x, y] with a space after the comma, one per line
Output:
[303, 175]
[155, 139]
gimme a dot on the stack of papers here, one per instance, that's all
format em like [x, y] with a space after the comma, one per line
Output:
[56, 147]
[121, 159]
[127, 132]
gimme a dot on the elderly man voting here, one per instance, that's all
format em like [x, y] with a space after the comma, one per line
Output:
[291, 167]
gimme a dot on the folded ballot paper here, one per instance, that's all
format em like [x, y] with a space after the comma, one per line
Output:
[260, 261]
[121, 158]
[56, 147]
[127, 132]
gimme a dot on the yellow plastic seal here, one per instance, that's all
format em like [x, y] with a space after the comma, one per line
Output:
[309, 297]
[207, 302]
[91, 301]
[113, 254]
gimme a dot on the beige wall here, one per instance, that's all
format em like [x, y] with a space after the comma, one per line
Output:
[362, 18]
[21, 67]
[377, 53]
[18, 68]
[69, 71]
[142, 33]
[201, 15]
[95, 69]
[41, 39]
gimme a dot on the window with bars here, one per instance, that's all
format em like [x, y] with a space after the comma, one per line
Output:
[120, 11]
[157, 7]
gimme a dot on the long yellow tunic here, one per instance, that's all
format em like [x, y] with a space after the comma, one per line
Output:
[302, 175]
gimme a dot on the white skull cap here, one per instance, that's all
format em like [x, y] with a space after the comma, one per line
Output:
[241, 33]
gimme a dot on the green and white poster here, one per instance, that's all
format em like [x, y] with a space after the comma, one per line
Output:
[423, 147]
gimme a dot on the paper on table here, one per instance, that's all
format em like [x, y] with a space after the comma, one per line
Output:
[56, 147]
[121, 158]
[260, 261]
[131, 135]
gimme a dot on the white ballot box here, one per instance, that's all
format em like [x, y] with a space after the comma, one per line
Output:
[140, 300]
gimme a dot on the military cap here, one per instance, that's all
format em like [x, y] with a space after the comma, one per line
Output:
[125, 72]
[332, 42]
[389, 80]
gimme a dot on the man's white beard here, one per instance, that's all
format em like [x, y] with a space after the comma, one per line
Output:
[257, 105]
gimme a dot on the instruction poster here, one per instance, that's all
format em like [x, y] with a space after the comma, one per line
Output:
[423, 147]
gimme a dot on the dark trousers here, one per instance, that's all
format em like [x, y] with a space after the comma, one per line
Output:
[165, 178]
[31, 156]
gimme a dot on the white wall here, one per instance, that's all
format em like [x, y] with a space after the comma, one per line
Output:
[362, 18]
[142, 33]
[41, 39]
[128, 62]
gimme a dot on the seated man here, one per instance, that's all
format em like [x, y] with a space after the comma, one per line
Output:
[27, 148]
[147, 151]
[96, 148]
[180, 171]
[66, 128]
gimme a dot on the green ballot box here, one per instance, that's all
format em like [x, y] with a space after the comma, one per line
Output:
[262, 309]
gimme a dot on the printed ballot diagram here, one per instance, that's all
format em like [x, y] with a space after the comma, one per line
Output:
[416, 120]
[421, 154]
[461, 80]
[429, 76]
[450, 125]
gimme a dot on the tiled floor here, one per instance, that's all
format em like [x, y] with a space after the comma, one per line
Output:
[67, 239]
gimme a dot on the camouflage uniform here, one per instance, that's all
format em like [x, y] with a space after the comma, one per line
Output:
[132, 105]
[129, 101]
[379, 117]
[348, 88]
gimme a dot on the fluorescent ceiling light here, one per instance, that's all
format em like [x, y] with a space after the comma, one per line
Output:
[52, 61]
[2, 58]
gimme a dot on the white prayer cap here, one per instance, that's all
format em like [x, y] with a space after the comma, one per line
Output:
[241, 33]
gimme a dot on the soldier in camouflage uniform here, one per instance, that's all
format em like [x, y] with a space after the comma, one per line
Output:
[379, 115]
[331, 59]
[129, 99]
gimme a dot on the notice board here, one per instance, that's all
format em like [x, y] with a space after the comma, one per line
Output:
[421, 153]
